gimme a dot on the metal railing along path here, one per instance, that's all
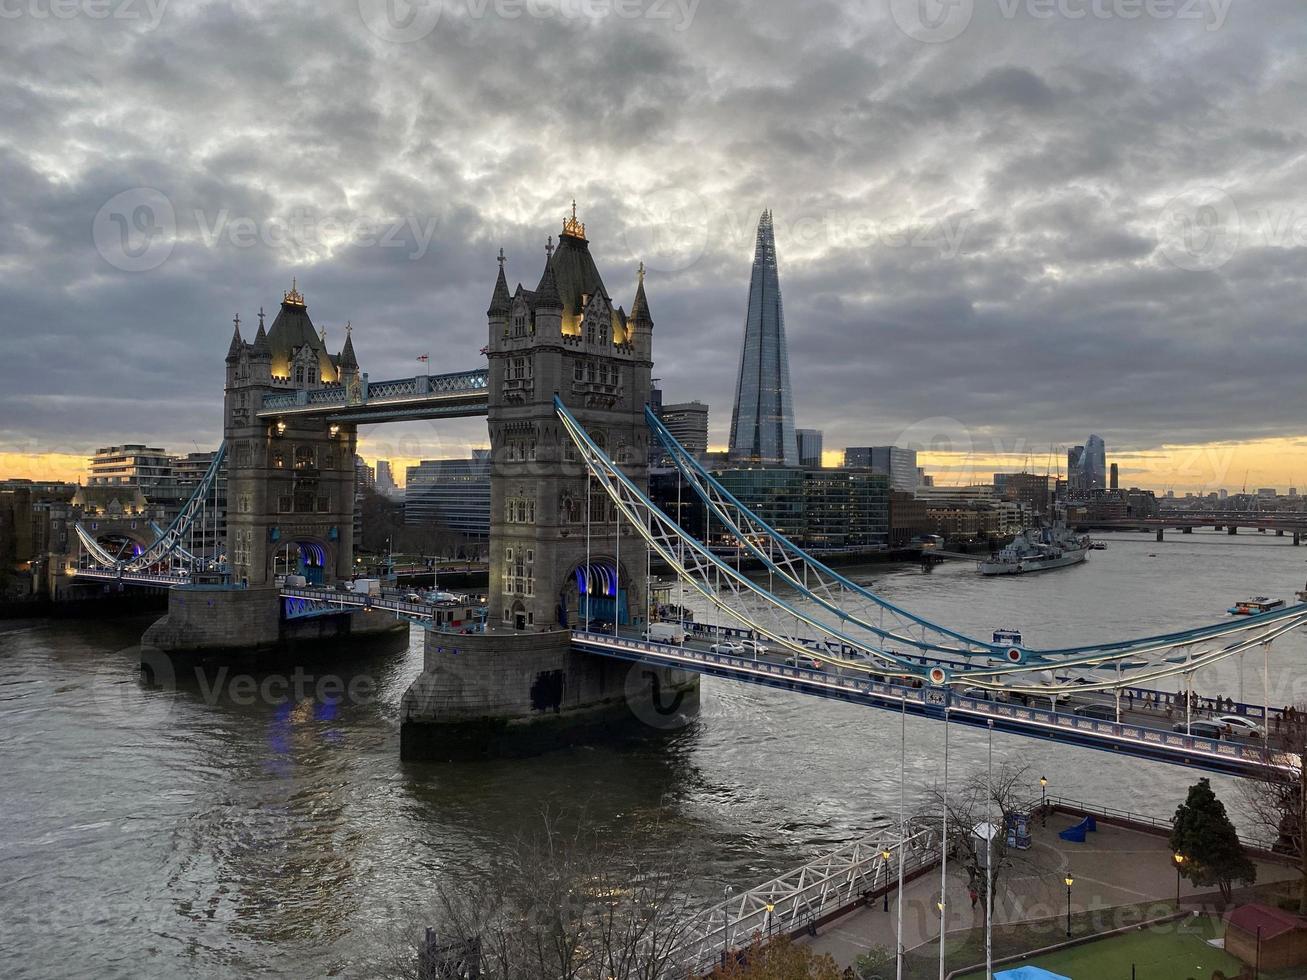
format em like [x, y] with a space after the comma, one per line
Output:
[801, 897]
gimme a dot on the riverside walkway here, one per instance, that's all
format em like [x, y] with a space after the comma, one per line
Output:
[1114, 867]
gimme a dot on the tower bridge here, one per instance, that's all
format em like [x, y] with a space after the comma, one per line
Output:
[561, 650]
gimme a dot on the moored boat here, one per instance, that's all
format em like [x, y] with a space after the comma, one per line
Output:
[1256, 605]
[1038, 550]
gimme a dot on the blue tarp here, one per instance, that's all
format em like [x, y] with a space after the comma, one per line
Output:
[1076, 834]
[1029, 973]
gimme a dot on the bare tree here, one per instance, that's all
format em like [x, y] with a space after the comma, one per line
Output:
[561, 904]
[1277, 799]
[979, 799]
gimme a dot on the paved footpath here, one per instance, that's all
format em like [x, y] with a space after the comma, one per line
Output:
[1113, 867]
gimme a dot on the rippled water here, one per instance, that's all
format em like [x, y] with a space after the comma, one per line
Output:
[148, 832]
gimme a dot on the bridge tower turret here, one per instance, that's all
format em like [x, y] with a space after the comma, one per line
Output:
[566, 338]
[290, 481]
[521, 686]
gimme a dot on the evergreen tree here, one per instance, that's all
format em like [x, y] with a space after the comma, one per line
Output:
[1204, 837]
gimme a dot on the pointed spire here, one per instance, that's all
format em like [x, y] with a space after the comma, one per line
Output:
[547, 295]
[640, 308]
[348, 362]
[261, 346]
[234, 350]
[500, 301]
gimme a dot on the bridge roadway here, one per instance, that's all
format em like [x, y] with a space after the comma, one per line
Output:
[1136, 735]
[435, 396]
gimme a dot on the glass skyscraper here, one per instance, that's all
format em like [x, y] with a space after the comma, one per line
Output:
[762, 422]
[1093, 464]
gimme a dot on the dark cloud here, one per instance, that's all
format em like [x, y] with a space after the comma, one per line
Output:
[980, 230]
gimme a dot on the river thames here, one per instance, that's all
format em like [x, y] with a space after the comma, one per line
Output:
[155, 832]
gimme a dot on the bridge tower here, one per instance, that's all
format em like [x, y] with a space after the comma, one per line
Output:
[567, 338]
[290, 482]
[520, 687]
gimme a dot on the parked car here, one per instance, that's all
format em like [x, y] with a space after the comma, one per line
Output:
[1239, 725]
[810, 663]
[1204, 729]
[1103, 712]
[728, 647]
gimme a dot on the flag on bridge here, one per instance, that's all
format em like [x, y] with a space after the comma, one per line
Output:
[424, 358]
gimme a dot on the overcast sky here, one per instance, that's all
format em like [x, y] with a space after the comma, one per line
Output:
[1001, 224]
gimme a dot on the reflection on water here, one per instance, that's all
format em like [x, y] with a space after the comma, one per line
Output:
[206, 828]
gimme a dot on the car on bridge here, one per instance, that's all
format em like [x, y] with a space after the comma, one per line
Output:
[728, 647]
[1203, 729]
[755, 647]
[810, 663]
[1239, 725]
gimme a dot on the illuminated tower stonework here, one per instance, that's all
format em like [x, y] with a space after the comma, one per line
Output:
[565, 337]
[290, 483]
[521, 686]
[762, 423]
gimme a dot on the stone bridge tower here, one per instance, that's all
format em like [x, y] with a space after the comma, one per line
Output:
[520, 687]
[568, 338]
[290, 483]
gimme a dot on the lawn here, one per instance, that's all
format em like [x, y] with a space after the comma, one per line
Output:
[1171, 951]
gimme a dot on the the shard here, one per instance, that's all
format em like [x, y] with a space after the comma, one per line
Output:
[762, 423]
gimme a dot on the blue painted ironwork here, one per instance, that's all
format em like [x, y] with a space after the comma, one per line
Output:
[171, 539]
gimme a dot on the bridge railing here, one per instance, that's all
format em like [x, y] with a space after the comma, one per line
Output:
[399, 389]
[801, 897]
[1160, 824]
[937, 701]
[328, 600]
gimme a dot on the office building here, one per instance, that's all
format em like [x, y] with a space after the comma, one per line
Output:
[809, 441]
[1036, 492]
[907, 519]
[762, 420]
[1093, 466]
[385, 478]
[455, 494]
[1115, 482]
[688, 424]
[819, 508]
[132, 465]
[900, 465]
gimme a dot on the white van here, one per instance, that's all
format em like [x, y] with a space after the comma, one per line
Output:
[665, 633]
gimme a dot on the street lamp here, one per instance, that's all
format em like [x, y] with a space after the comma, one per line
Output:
[1043, 806]
[885, 856]
[1069, 882]
[1179, 861]
[770, 909]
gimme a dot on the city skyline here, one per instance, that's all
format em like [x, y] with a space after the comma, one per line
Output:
[932, 264]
